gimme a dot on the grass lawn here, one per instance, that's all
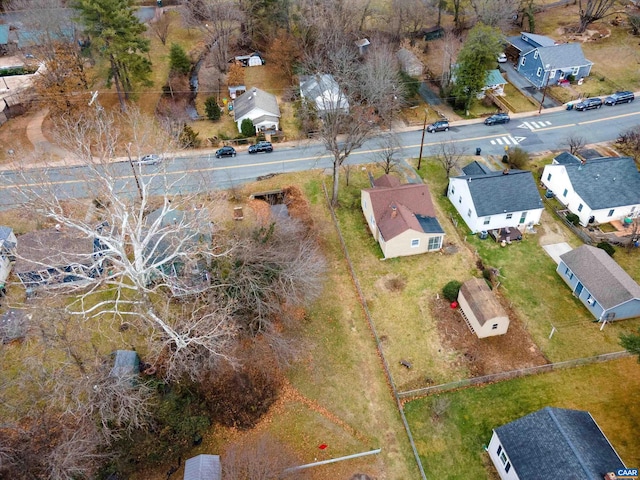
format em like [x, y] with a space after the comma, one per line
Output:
[526, 271]
[451, 444]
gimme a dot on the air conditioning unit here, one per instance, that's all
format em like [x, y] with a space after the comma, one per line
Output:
[591, 301]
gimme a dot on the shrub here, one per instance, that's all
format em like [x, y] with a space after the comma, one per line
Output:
[518, 158]
[188, 138]
[451, 289]
[212, 109]
[607, 247]
[247, 128]
[573, 219]
[178, 60]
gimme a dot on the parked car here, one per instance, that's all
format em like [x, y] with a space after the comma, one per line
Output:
[502, 58]
[151, 159]
[226, 152]
[439, 126]
[261, 147]
[497, 118]
[619, 97]
[588, 104]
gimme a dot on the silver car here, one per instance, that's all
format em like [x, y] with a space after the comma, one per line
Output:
[151, 159]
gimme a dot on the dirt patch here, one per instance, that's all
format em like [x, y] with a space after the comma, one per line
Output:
[550, 232]
[484, 356]
[391, 283]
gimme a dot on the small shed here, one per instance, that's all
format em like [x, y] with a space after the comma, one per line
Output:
[203, 467]
[481, 309]
[125, 363]
[253, 60]
[363, 45]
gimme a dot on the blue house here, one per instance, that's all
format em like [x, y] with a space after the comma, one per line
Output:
[553, 443]
[543, 62]
[600, 283]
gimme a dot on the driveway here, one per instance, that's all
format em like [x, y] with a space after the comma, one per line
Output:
[525, 86]
[556, 249]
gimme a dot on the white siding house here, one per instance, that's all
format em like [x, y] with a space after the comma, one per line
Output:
[598, 190]
[496, 200]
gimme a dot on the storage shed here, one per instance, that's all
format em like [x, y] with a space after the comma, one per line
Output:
[203, 467]
[481, 309]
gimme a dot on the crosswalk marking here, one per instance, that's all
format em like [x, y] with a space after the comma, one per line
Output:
[534, 125]
[507, 140]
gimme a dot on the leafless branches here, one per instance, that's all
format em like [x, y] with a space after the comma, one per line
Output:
[389, 147]
[575, 142]
[495, 13]
[593, 10]
[449, 154]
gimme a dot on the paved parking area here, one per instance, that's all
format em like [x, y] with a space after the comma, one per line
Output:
[556, 249]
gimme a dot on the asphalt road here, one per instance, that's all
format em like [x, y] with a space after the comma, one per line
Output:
[186, 174]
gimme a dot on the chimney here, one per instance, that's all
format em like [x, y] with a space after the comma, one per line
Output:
[394, 211]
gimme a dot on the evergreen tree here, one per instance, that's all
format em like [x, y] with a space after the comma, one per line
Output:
[246, 128]
[212, 109]
[478, 54]
[116, 36]
[178, 60]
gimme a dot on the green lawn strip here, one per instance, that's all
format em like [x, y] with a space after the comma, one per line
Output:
[451, 446]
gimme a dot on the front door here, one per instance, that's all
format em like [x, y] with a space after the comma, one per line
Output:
[523, 217]
[578, 289]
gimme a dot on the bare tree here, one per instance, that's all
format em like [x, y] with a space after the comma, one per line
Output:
[162, 26]
[263, 458]
[408, 17]
[219, 19]
[388, 148]
[593, 10]
[155, 243]
[575, 142]
[449, 154]
[495, 13]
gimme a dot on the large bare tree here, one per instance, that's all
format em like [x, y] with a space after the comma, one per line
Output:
[495, 13]
[593, 10]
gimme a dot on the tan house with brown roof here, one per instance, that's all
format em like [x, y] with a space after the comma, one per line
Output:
[401, 218]
[481, 309]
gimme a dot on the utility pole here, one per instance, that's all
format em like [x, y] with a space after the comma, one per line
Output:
[424, 128]
[544, 92]
[135, 173]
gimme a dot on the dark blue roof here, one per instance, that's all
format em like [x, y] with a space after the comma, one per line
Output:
[499, 192]
[565, 158]
[429, 224]
[558, 443]
[606, 182]
[476, 168]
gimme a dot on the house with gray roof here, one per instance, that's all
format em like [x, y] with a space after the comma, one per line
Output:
[602, 285]
[553, 443]
[260, 107]
[323, 92]
[597, 190]
[203, 467]
[565, 158]
[401, 217]
[490, 200]
[542, 61]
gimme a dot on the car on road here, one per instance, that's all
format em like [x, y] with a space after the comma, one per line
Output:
[151, 159]
[588, 104]
[502, 58]
[619, 97]
[261, 147]
[439, 126]
[497, 118]
[226, 152]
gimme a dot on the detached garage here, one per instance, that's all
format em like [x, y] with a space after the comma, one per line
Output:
[481, 309]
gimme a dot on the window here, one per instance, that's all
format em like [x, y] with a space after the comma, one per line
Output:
[610, 214]
[535, 54]
[415, 243]
[503, 458]
[460, 199]
[365, 204]
[453, 190]
[580, 207]
[564, 194]
[567, 272]
[487, 220]
[509, 216]
[539, 71]
[372, 220]
[507, 467]
[494, 326]
[499, 449]
[552, 74]
[522, 61]
[548, 177]
[575, 71]
[435, 243]
[469, 213]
